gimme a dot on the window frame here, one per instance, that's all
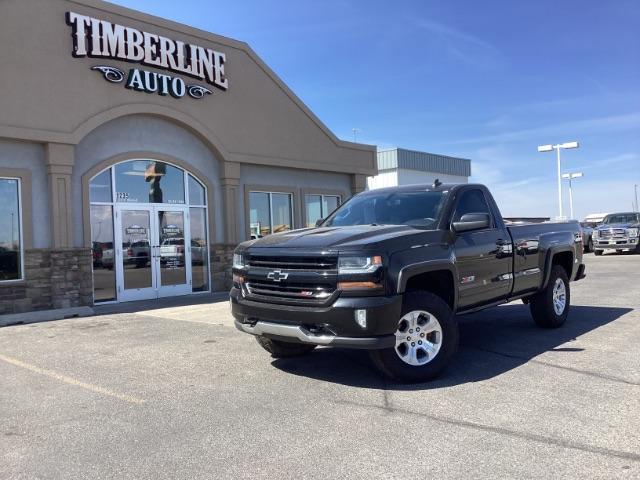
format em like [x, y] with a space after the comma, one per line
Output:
[270, 191]
[21, 235]
[343, 196]
[322, 196]
[115, 205]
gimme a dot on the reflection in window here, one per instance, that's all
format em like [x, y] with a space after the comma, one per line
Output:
[319, 206]
[148, 181]
[10, 242]
[281, 212]
[196, 192]
[104, 274]
[199, 255]
[100, 187]
[259, 214]
[269, 213]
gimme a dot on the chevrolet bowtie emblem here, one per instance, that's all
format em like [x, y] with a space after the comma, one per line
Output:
[277, 276]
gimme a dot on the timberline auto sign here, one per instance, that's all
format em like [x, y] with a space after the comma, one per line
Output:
[97, 38]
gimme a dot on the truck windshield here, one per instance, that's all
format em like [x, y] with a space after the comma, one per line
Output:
[419, 208]
[621, 218]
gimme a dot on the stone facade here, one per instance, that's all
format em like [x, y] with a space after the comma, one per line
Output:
[54, 278]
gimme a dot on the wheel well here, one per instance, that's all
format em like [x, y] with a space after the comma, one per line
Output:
[565, 260]
[439, 282]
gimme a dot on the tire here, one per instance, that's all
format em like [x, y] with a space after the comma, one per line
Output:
[590, 245]
[597, 253]
[280, 349]
[619, 251]
[547, 312]
[427, 365]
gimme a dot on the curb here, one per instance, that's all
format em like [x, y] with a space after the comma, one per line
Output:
[44, 316]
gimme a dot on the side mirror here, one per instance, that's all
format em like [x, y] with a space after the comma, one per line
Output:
[319, 222]
[472, 221]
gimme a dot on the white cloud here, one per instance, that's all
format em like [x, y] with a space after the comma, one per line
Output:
[465, 47]
[592, 125]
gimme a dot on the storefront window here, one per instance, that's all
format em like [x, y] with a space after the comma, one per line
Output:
[10, 233]
[196, 192]
[148, 181]
[269, 213]
[319, 206]
[153, 239]
[102, 242]
[199, 254]
[100, 188]
[259, 214]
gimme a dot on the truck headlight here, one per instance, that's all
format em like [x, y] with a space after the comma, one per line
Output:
[633, 232]
[595, 234]
[239, 261]
[359, 264]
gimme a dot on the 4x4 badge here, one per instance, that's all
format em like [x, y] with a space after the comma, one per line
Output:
[277, 275]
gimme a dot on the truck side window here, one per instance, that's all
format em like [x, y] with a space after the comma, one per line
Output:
[472, 201]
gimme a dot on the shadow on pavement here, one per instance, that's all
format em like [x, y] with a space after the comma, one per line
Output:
[492, 342]
[167, 302]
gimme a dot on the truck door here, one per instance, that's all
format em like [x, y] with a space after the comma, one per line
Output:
[483, 257]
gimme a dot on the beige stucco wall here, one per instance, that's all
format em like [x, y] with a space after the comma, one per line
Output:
[50, 96]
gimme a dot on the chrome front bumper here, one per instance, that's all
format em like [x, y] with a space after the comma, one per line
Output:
[619, 243]
[298, 333]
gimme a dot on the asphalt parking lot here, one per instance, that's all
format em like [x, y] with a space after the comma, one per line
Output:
[179, 393]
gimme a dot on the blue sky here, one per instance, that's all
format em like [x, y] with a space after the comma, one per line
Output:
[487, 81]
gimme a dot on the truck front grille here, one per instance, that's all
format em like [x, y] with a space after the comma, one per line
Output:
[304, 292]
[327, 264]
[612, 233]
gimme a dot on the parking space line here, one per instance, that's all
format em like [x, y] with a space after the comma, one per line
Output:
[71, 381]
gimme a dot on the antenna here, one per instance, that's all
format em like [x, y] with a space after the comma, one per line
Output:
[355, 131]
[436, 183]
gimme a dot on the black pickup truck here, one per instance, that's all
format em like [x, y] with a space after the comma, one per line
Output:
[390, 269]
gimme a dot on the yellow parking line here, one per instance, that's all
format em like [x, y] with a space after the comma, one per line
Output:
[71, 381]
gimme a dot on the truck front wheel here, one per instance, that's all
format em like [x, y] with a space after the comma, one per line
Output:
[550, 307]
[279, 349]
[597, 253]
[426, 340]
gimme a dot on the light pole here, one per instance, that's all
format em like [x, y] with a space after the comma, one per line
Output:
[355, 131]
[571, 176]
[550, 148]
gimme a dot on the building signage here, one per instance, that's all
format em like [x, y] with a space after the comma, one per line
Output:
[171, 231]
[135, 230]
[97, 38]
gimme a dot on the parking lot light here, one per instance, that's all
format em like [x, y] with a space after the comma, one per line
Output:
[570, 176]
[557, 148]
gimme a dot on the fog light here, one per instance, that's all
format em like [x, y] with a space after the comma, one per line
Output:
[361, 318]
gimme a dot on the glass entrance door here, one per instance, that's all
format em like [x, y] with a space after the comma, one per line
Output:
[152, 260]
[173, 267]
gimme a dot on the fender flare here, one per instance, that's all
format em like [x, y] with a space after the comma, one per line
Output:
[418, 268]
[548, 262]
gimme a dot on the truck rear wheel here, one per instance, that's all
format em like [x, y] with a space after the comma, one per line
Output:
[597, 253]
[426, 339]
[279, 349]
[550, 307]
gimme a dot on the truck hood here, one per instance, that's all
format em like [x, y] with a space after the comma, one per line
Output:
[335, 238]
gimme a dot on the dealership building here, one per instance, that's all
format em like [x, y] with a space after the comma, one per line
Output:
[135, 153]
